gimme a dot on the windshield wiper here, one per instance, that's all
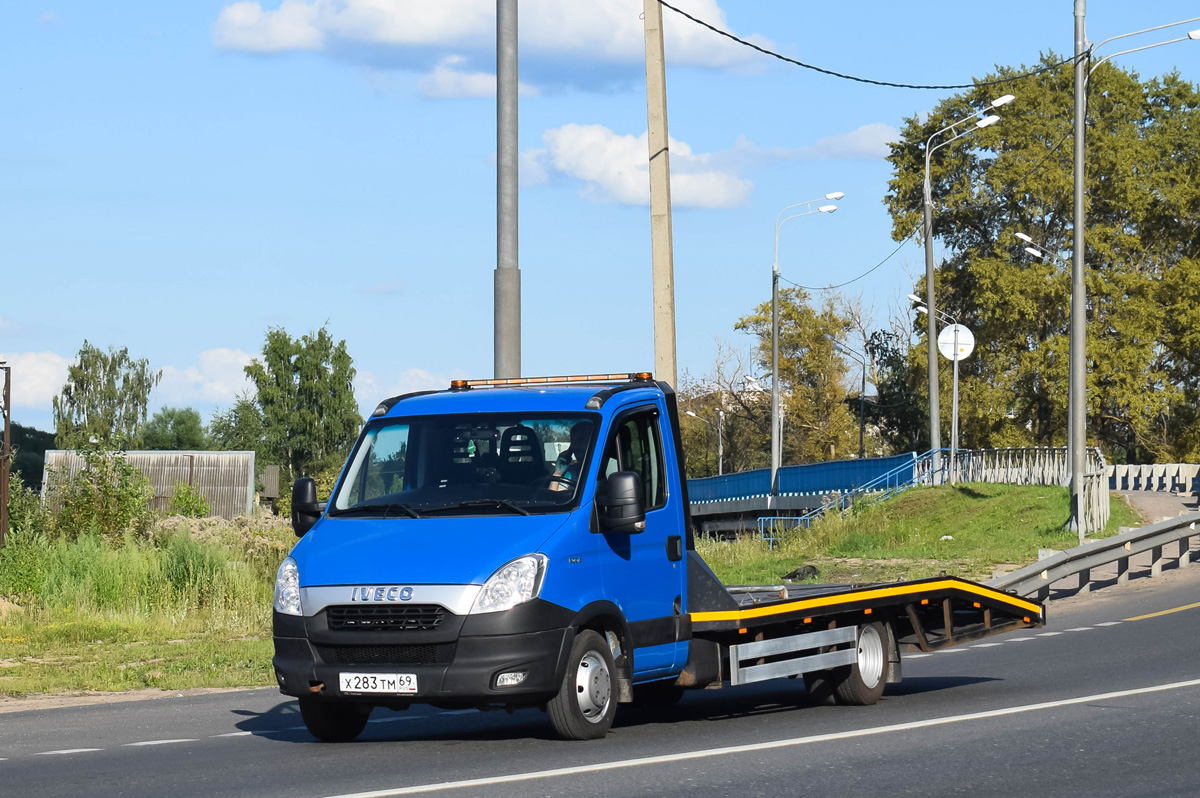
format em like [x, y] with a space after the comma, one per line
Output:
[384, 507]
[499, 503]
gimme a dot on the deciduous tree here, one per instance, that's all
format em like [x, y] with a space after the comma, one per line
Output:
[104, 398]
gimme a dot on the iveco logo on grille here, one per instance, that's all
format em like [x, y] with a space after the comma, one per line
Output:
[393, 593]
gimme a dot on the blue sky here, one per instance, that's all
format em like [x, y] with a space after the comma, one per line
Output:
[175, 178]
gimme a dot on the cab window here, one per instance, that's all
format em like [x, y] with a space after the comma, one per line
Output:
[635, 445]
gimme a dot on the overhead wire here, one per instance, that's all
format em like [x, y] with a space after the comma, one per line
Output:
[857, 79]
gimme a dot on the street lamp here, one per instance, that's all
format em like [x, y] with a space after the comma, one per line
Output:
[862, 408]
[946, 318]
[720, 436]
[776, 431]
[1077, 393]
[935, 423]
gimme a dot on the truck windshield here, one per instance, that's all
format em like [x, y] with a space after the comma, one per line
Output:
[478, 464]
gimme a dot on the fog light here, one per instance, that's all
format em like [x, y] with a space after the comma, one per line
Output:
[280, 678]
[511, 679]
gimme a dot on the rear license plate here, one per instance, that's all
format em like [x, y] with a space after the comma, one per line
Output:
[378, 682]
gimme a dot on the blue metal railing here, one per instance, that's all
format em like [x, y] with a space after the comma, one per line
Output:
[838, 476]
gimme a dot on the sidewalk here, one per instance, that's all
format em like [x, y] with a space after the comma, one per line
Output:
[1156, 506]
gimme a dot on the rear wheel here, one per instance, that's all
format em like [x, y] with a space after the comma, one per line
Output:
[858, 684]
[585, 705]
[331, 721]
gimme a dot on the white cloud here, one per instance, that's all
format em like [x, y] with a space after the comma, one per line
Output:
[49, 18]
[615, 168]
[370, 389]
[218, 376]
[449, 80]
[868, 142]
[37, 377]
[606, 31]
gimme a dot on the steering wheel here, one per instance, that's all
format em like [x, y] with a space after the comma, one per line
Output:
[550, 479]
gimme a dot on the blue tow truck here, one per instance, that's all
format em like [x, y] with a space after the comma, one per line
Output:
[527, 543]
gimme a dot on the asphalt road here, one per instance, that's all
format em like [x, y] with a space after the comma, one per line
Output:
[1103, 702]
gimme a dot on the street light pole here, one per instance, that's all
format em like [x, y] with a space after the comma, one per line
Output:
[946, 318]
[862, 391]
[935, 423]
[776, 420]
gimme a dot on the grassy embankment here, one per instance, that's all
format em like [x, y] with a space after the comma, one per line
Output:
[988, 527]
[188, 607]
[188, 603]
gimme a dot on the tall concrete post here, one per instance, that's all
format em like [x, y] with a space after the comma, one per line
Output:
[507, 304]
[660, 197]
[6, 456]
[1077, 395]
[935, 409]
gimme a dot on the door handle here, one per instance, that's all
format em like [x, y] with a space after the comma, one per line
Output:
[674, 548]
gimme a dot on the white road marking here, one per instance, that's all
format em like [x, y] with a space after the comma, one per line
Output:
[233, 734]
[915, 656]
[1018, 639]
[67, 751]
[1081, 629]
[160, 742]
[769, 746]
[1109, 623]
[986, 645]
[950, 651]
[1049, 634]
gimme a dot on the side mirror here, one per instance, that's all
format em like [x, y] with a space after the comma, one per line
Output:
[305, 507]
[620, 506]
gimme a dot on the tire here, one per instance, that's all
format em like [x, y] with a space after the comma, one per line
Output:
[860, 684]
[332, 721]
[864, 680]
[821, 686]
[586, 702]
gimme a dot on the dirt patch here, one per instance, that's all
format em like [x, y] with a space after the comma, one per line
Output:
[7, 606]
[59, 700]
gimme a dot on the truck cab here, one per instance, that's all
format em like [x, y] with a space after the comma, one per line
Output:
[515, 543]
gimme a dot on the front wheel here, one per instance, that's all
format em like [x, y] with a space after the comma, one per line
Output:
[585, 706]
[332, 721]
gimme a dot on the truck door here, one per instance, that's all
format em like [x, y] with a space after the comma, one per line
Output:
[640, 575]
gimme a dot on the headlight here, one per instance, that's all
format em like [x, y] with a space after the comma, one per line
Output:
[287, 588]
[515, 583]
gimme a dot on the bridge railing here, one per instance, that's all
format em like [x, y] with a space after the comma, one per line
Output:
[834, 476]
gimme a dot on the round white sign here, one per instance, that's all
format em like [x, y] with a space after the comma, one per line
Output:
[946, 341]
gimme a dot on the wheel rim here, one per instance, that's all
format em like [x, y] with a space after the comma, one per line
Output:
[593, 687]
[870, 657]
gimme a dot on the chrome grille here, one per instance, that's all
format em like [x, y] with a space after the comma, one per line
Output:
[385, 617]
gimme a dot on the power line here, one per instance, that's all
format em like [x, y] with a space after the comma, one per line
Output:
[859, 277]
[844, 76]
[907, 238]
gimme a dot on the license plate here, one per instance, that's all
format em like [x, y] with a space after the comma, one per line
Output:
[378, 682]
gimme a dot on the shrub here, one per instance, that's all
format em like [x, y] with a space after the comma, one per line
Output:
[188, 502]
[108, 496]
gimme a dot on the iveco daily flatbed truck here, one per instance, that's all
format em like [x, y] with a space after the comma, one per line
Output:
[528, 543]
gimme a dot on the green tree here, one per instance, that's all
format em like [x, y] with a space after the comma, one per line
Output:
[105, 398]
[239, 428]
[1143, 209]
[817, 423]
[305, 391]
[175, 429]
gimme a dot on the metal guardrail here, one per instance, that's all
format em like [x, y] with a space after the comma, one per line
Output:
[1079, 561]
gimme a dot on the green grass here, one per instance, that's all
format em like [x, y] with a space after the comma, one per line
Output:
[188, 607]
[989, 526]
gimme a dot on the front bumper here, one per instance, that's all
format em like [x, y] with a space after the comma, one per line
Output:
[451, 667]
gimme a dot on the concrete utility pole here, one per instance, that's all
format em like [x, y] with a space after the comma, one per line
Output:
[507, 320]
[660, 197]
[6, 456]
[1076, 395]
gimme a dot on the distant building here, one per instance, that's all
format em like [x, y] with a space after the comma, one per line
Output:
[226, 480]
